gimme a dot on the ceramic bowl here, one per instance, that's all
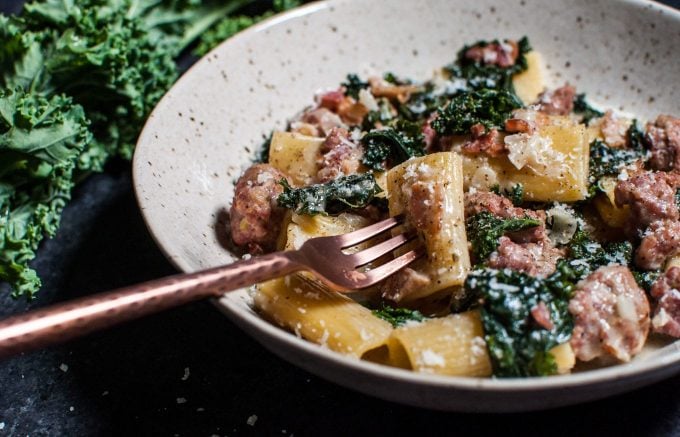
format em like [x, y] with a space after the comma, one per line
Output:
[205, 131]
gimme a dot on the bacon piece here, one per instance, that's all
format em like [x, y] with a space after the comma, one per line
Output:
[484, 142]
[400, 93]
[322, 119]
[614, 129]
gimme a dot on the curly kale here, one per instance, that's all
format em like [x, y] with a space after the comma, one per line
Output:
[398, 316]
[515, 194]
[380, 118]
[608, 161]
[582, 107]
[517, 344]
[485, 229]
[334, 197]
[353, 85]
[77, 82]
[645, 279]
[585, 254]
[41, 140]
[479, 75]
[392, 145]
[490, 108]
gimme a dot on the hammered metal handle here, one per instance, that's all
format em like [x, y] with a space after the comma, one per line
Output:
[65, 321]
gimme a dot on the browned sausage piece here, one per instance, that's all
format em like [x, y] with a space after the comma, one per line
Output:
[500, 54]
[611, 315]
[661, 241]
[255, 217]
[557, 102]
[484, 142]
[651, 196]
[664, 138]
[339, 156]
[535, 259]
[666, 291]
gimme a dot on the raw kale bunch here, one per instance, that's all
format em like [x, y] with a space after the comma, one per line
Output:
[332, 198]
[77, 81]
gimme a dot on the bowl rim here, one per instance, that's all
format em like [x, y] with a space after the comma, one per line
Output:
[669, 355]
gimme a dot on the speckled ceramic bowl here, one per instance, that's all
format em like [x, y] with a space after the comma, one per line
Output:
[206, 129]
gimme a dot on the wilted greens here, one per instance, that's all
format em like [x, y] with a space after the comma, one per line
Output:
[398, 316]
[484, 230]
[334, 197]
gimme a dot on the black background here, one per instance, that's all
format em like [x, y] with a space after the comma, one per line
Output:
[127, 381]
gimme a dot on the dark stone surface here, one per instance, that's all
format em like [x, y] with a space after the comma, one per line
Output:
[129, 380]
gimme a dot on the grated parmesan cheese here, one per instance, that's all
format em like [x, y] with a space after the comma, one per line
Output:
[251, 420]
[432, 359]
[534, 152]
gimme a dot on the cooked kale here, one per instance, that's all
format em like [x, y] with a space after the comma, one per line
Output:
[635, 137]
[645, 279]
[398, 316]
[353, 85]
[487, 107]
[334, 197]
[581, 106]
[484, 230]
[380, 118]
[392, 145]
[517, 344]
[585, 254]
[515, 194]
[480, 76]
[608, 161]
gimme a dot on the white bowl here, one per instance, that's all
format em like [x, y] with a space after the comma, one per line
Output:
[207, 128]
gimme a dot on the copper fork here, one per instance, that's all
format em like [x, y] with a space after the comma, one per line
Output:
[323, 256]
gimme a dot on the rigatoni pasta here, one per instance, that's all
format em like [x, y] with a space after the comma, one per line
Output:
[548, 228]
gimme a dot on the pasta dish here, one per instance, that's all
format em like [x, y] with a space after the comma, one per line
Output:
[551, 228]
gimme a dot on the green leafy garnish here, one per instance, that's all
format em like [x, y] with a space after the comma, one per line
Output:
[487, 76]
[484, 230]
[515, 194]
[581, 106]
[490, 108]
[645, 279]
[608, 161]
[398, 316]
[392, 145]
[334, 197]
[353, 85]
[517, 345]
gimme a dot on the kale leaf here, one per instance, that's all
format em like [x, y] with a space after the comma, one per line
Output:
[487, 107]
[608, 161]
[645, 279]
[585, 254]
[231, 25]
[393, 145]
[517, 344]
[515, 194]
[41, 140]
[353, 85]
[581, 106]
[334, 197]
[77, 81]
[484, 76]
[484, 230]
[398, 316]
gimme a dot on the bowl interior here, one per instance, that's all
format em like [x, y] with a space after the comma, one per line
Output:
[208, 128]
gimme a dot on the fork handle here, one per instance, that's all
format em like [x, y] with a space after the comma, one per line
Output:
[70, 319]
